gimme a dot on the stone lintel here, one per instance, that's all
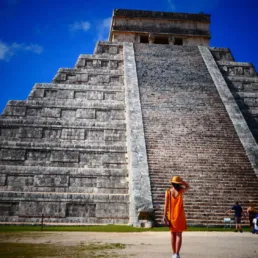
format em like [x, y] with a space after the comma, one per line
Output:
[232, 108]
[201, 17]
[160, 31]
[139, 180]
[162, 34]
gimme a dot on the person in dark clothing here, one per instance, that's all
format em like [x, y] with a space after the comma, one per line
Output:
[251, 212]
[255, 223]
[238, 216]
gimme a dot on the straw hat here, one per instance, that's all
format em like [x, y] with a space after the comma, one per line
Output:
[176, 180]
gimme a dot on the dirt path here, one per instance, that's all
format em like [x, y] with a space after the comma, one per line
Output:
[152, 244]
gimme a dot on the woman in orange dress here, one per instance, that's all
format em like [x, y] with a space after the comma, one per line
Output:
[174, 214]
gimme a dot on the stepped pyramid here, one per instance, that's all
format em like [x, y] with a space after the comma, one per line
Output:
[99, 144]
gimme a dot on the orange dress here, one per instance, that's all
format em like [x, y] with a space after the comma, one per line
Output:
[176, 212]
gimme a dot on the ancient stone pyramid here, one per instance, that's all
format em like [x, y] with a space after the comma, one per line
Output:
[99, 144]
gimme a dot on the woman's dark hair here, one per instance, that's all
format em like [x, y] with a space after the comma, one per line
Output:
[177, 186]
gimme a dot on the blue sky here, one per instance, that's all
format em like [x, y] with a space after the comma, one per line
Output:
[37, 37]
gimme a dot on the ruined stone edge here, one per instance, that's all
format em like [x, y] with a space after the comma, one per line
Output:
[139, 179]
[232, 108]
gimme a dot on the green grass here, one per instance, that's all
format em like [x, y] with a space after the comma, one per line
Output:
[102, 228]
[93, 250]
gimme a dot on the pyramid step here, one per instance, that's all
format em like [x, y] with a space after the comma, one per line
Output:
[111, 187]
[66, 109]
[204, 174]
[246, 103]
[243, 79]
[63, 207]
[212, 191]
[90, 71]
[230, 178]
[86, 92]
[214, 198]
[69, 103]
[79, 197]
[234, 64]
[101, 57]
[70, 156]
[62, 146]
[60, 123]
[198, 204]
[159, 185]
[250, 112]
[61, 135]
[104, 48]
[83, 77]
[221, 54]
[246, 95]
[39, 170]
[65, 184]
[87, 61]
[78, 87]
[236, 86]
[74, 137]
[210, 198]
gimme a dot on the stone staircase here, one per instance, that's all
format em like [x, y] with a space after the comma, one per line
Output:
[63, 150]
[189, 133]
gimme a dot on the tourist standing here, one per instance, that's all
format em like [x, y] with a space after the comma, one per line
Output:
[251, 212]
[238, 216]
[255, 223]
[174, 214]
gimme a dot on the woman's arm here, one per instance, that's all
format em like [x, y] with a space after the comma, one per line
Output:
[166, 205]
[186, 186]
[228, 211]
[165, 217]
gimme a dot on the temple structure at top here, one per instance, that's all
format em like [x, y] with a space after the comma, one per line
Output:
[160, 27]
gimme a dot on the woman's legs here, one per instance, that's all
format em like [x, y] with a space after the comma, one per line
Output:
[173, 241]
[176, 241]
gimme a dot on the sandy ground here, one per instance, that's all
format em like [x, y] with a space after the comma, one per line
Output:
[153, 244]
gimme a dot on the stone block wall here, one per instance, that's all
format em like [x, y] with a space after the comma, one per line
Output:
[63, 150]
[242, 80]
[189, 133]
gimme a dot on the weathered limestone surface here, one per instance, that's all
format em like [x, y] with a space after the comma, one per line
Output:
[188, 132]
[139, 180]
[63, 150]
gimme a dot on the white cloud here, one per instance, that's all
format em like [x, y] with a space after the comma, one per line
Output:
[4, 51]
[172, 5]
[103, 28]
[80, 25]
[9, 50]
[106, 22]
